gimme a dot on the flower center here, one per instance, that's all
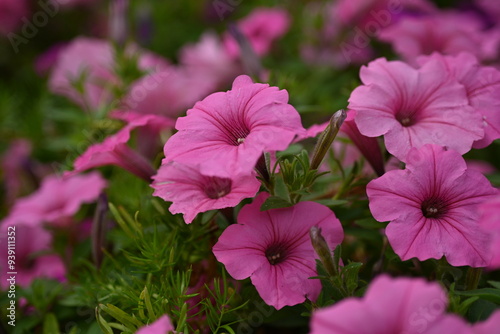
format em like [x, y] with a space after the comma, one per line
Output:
[217, 187]
[406, 118]
[434, 208]
[276, 253]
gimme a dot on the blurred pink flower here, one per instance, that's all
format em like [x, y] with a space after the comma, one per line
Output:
[57, 199]
[13, 163]
[390, 305]
[412, 107]
[261, 27]
[490, 221]
[481, 166]
[481, 84]
[490, 7]
[456, 325]
[45, 62]
[162, 325]
[273, 248]
[412, 37]
[192, 192]
[230, 130]
[432, 207]
[168, 92]
[115, 151]
[209, 59]
[11, 13]
[85, 71]
[29, 264]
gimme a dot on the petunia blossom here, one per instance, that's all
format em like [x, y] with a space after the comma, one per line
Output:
[412, 37]
[162, 325]
[85, 71]
[11, 14]
[490, 221]
[413, 107]
[57, 199]
[454, 324]
[482, 84]
[31, 246]
[262, 27]
[432, 208]
[273, 248]
[390, 305]
[115, 151]
[230, 130]
[192, 192]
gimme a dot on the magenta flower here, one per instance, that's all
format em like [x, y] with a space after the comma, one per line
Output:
[262, 27]
[162, 325]
[412, 37]
[114, 150]
[481, 84]
[11, 13]
[231, 130]
[490, 221]
[273, 249]
[57, 199]
[432, 207]
[31, 259]
[390, 305]
[413, 107]
[192, 192]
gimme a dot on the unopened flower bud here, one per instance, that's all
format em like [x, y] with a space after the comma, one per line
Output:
[326, 138]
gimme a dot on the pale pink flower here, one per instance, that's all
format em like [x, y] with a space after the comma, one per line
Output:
[490, 221]
[29, 264]
[481, 166]
[208, 58]
[415, 36]
[481, 84]
[168, 92]
[230, 130]
[192, 192]
[85, 71]
[115, 151]
[390, 305]
[413, 107]
[162, 325]
[456, 325]
[57, 199]
[273, 248]
[261, 27]
[432, 207]
[11, 13]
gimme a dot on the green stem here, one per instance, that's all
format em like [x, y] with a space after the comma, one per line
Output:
[472, 278]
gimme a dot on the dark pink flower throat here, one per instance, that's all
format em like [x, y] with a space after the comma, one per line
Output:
[276, 253]
[434, 208]
[217, 187]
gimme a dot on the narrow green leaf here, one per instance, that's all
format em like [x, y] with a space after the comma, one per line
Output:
[492, 295]
[274, 202]
[50, 325]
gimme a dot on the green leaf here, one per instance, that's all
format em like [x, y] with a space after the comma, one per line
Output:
[492, 295]
[494, 284]
[50, 325]
[350, 273]
[332, 202]
[370, 223]
[275, 202]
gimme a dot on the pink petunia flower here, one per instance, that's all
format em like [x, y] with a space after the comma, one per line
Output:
[413, 107]
[209, 59]
[454, 324]
[30, 252]
[230, 130]
[390, 305]
[432, 207]
[162, 325]
[192, 192]
[85, 71]
[490, 221]
[273, 249]
[412, 37]
[57, 199]
[261, 27]
[481, 84]
[181, 89]
[490, 7]
[115, 151]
